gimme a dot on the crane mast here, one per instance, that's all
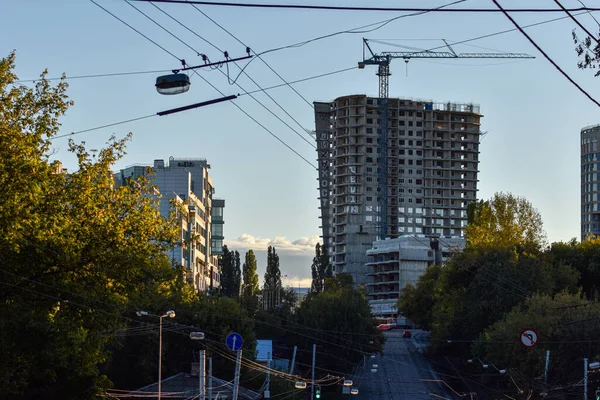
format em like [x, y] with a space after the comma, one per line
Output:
[386, 176]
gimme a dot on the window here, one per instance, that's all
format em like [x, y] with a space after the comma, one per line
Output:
[401, 142]
[419, 181]
[369, 130]
[370, 121]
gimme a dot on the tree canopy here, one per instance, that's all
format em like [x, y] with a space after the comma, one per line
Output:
[505, 220]
[250, 286]
[74, 249]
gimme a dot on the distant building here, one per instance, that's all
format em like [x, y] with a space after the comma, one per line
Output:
[433, 158]
[187, 183]
[590, 180]
[394, 263]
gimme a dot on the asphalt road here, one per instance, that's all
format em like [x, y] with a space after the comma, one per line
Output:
[402, 374]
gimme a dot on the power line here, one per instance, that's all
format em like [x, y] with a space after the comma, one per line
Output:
[505, 12]
[214, 87]
[360, 29]
[256, 54]
[590, 13]
[237, 84]
[576, 21]
[348, 8]
[103, 126]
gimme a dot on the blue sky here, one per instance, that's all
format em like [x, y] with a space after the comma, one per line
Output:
[531, 113]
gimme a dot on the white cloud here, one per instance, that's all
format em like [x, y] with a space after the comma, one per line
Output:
[301, 246]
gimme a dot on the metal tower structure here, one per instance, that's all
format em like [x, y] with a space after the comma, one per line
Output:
[383, 60]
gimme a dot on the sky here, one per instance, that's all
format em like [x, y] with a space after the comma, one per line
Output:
[532, 114]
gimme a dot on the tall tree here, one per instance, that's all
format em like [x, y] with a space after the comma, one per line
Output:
[228, 273]
[504, 221]
[317, 282]
[74, 249]
[237, 274]
[250, 287]
[273, 273]
[321, 269]
[272, 289]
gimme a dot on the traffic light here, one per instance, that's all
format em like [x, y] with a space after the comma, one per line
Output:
[318, 392]
[598, 394]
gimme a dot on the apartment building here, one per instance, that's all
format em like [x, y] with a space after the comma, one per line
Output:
[394, 263]
[187, 183]
[590, 179]
[433, 157]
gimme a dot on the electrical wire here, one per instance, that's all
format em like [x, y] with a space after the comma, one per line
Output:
[256, 54]
[214, 87]
[347, 8]
[511, 19]
[249, 77]
[238, 85]
[590, 35]
[590, 13]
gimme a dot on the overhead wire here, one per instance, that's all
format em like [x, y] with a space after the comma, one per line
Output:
[256, 54]
[590, 35]
[214, 87]
[247, 75]
[589, 12]
[511, 19]
[347, 8]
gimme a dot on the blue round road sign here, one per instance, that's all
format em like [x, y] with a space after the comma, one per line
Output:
[234, 341]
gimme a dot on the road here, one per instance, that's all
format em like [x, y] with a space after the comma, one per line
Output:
[402, 373]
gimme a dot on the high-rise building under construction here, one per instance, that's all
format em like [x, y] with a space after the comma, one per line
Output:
[432, 159]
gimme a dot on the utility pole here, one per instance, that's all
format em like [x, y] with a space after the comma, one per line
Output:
[585, 378]
[202, 376]
[267, 393]
[546, 368]
[210, 378]
[236, 379]
[312, 387]
[293, 361]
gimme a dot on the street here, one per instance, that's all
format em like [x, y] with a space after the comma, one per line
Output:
[401, 372]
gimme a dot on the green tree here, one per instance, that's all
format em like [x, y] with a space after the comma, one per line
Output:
[583, 257]
[339, 319]
[228, 273]
[477, 288]
[237, 274]
[250, 287]
[416, 302]
[505, 220]
[273, 273]
[321, 269]
[74, 249]
[548, 315]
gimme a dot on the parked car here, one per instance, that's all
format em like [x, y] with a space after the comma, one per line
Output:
[406, 334]
[384, 327]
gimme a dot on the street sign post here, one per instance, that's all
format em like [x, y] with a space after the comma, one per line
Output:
[529, 337]
[234, 341]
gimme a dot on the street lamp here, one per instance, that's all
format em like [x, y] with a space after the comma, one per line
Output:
[170, 314]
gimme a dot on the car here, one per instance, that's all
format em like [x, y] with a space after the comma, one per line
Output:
[406, 334]
[384, 327]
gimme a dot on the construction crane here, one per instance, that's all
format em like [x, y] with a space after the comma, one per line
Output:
[383, 60]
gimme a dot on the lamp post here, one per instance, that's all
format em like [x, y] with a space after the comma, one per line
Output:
[170, 314]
